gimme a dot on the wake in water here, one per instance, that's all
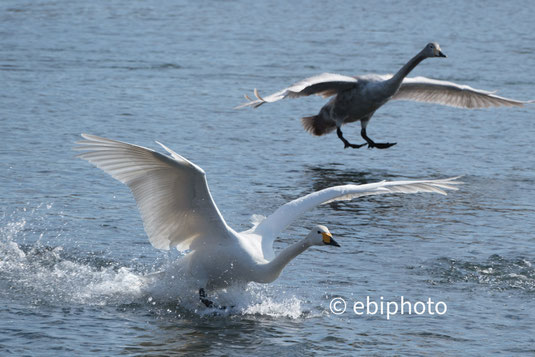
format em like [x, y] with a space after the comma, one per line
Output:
[39, 274]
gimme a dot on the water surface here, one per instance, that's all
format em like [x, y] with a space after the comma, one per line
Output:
[72, 246]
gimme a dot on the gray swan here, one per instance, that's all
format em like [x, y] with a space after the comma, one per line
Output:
[357, 98]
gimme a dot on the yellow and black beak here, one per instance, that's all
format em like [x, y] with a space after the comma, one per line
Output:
[440, 54]
[328, 239]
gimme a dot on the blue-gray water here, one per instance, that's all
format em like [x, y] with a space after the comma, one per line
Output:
[72, 245]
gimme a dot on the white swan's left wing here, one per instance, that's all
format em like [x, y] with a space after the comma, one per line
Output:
[273, 225]
[422, 89]
[325, 84]
[171, 192]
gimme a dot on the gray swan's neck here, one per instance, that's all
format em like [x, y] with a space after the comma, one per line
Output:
[406, 69]
[275, 267]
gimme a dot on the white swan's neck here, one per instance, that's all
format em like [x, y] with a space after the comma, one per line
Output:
[274, 267]
[406, 69]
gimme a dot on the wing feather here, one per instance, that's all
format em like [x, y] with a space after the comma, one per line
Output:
[171, 192]
[325, 84]
[422, 89]
[273, 225]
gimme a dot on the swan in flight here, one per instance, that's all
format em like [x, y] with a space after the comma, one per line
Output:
[357, 98]
[177, 210]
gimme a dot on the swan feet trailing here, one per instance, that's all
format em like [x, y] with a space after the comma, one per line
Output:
[209, 303]
[371, 144]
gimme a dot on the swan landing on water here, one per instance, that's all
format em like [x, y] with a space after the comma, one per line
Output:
[178, 211]
[357, 98]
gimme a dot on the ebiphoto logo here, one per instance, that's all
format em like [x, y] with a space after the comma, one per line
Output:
[338, 306]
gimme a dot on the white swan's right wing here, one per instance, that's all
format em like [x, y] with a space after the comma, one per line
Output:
[325, 84]
[273, 225]
[422, 89]
[171, 192]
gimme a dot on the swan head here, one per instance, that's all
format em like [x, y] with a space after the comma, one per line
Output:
[432, 49]
[320, 235]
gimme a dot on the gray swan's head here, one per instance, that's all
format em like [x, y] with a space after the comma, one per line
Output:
[432, 49]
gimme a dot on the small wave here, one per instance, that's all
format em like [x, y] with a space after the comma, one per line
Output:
[497, 272]
[145, 66]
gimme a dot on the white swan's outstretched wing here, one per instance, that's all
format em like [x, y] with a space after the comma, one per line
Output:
[325, 84]
[273, 225]
[422, 89]
[171, 192]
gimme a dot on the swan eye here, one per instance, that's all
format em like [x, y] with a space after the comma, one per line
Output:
[319, 232]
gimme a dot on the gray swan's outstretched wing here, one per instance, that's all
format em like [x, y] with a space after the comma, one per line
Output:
[422, 89]
[326, 85]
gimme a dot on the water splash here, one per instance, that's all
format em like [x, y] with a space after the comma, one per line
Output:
[41, 274]
[45, 275]
[175, 286]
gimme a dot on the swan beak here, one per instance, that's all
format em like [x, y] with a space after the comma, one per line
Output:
[441, 54]
[328, 239]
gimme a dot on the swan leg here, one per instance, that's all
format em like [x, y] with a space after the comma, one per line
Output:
[372, 144]
[204, 300]
[209, 303]
[347, 143]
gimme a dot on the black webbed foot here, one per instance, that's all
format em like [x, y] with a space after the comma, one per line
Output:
[209, 303]
[380, 145]
[204, 300]
[347, 144]
[372, 144]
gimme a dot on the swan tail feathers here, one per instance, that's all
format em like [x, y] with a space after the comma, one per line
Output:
[317, 125]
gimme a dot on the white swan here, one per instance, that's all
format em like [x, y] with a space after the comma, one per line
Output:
[357, 98]
[178, 211]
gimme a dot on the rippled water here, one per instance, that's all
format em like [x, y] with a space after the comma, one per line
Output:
[73, 253]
